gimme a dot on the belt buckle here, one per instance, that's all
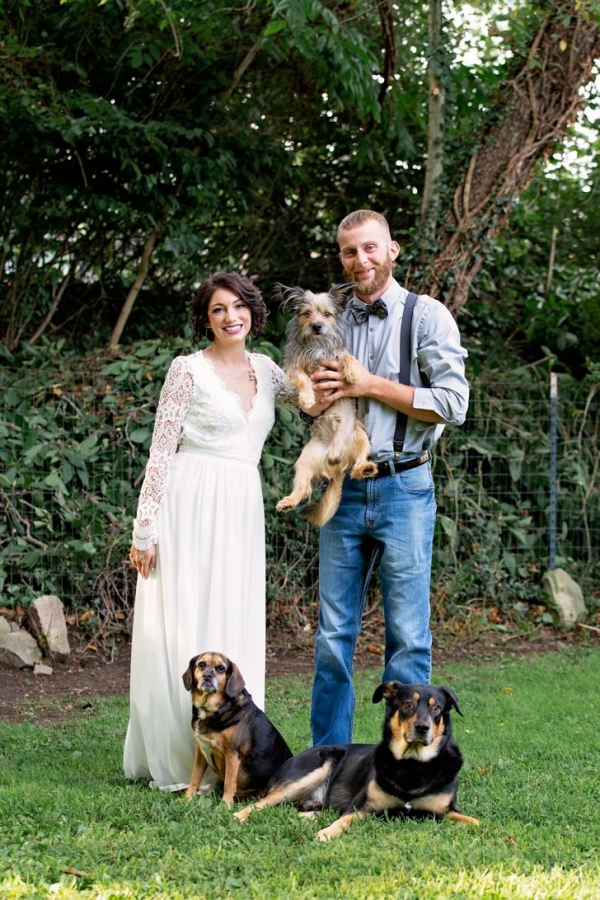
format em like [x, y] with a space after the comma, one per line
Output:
[387, 468]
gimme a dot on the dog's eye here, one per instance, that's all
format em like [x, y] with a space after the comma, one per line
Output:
[436, 709]
[201, 665]
[328, 315]
[220, 668]
[408, 704]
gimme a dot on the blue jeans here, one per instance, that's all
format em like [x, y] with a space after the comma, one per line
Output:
[387, 520]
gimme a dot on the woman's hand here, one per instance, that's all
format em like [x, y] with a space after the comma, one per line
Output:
[143, 560]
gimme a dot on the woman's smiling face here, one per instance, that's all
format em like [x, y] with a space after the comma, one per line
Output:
[229, 319]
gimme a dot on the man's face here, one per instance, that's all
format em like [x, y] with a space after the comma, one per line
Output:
[367, 254]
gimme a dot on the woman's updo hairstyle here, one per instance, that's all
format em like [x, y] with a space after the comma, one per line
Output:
[239, 285]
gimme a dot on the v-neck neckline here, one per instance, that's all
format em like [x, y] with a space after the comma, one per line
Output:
[229, 390]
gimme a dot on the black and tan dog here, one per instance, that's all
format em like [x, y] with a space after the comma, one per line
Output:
[233, 736]
[412, 771]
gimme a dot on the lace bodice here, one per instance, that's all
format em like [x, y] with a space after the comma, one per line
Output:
[197, 410]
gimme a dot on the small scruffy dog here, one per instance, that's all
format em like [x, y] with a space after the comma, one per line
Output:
[339, 444]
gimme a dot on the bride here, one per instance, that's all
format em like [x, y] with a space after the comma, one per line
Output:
[199, 537]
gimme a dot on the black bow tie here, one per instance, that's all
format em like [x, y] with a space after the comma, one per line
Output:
[362, 313]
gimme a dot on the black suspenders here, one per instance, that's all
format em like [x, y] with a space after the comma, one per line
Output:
[405, 361]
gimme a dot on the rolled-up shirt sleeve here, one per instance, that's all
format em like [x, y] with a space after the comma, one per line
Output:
[441, 359]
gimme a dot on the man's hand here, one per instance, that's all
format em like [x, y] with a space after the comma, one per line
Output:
[329, 384]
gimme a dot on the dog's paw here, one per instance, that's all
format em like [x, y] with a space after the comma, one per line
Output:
[308, 815]
[326, 834]
[285, 504]
[306, 398]
[242, 815]
[364, 470]
[349, 371]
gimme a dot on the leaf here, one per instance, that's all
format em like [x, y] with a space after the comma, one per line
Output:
[140, 435]
[275, 27]
[449, 527]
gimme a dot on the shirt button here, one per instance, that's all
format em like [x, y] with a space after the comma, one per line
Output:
[371, 357]
[370, 329]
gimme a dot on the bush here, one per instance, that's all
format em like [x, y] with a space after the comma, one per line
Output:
[75, 435]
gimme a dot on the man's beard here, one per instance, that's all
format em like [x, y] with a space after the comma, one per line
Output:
[381, 273]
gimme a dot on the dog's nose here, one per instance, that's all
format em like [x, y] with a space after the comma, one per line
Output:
[422, 727]
[317, 327]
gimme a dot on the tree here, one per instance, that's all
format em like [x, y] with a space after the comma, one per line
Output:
[532, 111]
[150, 143]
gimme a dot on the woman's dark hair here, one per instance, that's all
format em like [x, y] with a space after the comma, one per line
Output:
[239, 285]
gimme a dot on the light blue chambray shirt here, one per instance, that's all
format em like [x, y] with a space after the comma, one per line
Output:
[436, 351]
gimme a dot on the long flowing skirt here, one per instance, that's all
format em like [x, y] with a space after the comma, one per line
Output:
[206, 593]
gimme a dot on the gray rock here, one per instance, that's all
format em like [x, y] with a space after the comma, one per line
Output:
[565, 596]
[42, 670]
[19, 650]
[46, 618]
[4, 626]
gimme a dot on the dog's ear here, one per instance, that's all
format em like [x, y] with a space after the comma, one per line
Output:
[235, 681]
[388, 691]
[341, 293]
[289, 298]
[451, 699]
[188, 675]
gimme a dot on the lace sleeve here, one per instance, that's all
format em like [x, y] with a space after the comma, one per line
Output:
[283, 392]
[170, 414]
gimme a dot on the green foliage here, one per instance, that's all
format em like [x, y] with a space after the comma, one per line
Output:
[187, 118]
[494, 496]
[74, 440]
[515, 306]
[536, 798]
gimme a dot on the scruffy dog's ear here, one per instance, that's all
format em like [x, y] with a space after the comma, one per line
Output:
[290, 298]
[452, 699]
[235, 682]
[387, 691]
[341, 293]
[188, 675]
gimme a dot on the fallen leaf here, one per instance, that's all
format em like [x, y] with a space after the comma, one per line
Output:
[71, 871]
[371, 649]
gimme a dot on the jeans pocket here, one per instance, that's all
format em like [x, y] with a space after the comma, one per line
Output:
[418, 480]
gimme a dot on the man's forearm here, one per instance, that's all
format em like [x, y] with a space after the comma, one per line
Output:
[398, 396]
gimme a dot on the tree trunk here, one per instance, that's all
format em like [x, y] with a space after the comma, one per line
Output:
[529, 119]
[435, 141]
[135, 289]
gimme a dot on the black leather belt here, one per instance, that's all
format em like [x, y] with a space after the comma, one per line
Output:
[392, 467]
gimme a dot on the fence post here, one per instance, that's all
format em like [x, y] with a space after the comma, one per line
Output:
[553, 475]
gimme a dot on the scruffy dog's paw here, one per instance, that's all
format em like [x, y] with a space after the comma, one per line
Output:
[285, 504]
[364, 470]
[349, 370]
[306, 398]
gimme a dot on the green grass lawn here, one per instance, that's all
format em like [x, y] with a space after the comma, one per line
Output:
[530, 741]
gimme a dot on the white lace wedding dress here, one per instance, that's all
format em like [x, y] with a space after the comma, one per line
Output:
[201, 502]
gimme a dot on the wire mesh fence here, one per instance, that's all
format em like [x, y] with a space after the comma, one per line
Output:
[72, 457]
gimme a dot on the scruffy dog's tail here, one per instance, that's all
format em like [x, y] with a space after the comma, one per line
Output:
[321, 512]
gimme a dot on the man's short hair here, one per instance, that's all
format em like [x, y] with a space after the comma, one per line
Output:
[359, 217]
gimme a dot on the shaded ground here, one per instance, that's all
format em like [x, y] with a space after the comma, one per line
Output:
[72, 686]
